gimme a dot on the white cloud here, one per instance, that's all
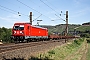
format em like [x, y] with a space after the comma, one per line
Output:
[10, 18]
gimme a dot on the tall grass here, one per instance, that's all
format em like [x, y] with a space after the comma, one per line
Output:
[88, 51]
[61, 52]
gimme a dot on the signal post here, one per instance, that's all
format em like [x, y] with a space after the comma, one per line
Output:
[66, 29]
[31, 18]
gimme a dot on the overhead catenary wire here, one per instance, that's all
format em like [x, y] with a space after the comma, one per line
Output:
[7, 8]
[22, 13]
[37, 17]
[7, 11]
[40, 8]
[60, 18]
[8, 1]
[52, 9]
[28, 6]
[51, 4]
[32, 9]
[12, 10]
[37, 5]
[48, 6]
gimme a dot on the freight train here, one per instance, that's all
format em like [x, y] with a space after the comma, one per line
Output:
[28, 32]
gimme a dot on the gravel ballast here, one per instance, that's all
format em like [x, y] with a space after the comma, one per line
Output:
[28, 51]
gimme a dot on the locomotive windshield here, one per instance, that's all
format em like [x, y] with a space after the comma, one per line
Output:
[19, 27]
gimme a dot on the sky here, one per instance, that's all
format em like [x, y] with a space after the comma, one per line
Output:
[46, 10]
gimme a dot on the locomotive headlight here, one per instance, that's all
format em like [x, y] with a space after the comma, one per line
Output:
[14, 32]
[20, 32]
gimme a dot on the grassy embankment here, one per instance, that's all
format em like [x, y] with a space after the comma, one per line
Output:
[88, 51]
[64, 52]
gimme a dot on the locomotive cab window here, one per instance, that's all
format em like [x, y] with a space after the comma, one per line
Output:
[16, 27]
[21, 27]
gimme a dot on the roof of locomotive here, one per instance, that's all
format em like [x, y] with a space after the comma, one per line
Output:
[38, 27]
[23, 23]
[31, 25]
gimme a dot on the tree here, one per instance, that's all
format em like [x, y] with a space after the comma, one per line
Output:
[5, 34]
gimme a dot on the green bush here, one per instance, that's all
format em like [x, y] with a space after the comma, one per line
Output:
[79, 41]
[51, 52]
[88, 40]
[87, 35]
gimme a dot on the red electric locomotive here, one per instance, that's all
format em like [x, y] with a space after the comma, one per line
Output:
[26, 31]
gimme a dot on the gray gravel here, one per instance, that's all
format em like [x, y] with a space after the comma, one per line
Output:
[28, 51]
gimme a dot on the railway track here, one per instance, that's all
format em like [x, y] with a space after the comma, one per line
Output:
[9, 47]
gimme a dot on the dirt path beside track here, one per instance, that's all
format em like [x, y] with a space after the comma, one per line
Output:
[80, 54]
